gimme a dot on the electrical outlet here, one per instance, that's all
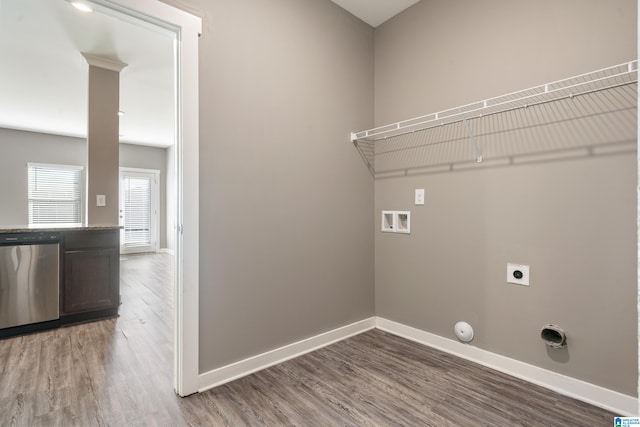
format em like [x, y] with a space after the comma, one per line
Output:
[518, 274]
[101, 200]
[419, 196]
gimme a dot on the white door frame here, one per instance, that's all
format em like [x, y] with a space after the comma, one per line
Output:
[154, 225]
[187, 28]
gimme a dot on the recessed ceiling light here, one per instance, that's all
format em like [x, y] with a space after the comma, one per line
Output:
[84, 7]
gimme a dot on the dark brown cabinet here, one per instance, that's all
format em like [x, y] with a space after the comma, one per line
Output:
[91, 275]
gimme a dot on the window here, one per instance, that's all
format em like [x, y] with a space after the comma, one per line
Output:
[55, 194]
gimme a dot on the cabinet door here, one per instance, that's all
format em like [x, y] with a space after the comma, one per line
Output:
[91, 279]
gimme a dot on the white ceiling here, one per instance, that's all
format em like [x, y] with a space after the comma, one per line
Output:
[375, 12]
[43, 76]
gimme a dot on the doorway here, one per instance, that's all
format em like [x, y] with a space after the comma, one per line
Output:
[139, 210]
[186, 29]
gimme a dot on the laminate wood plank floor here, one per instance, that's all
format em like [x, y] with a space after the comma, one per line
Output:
[118, 372]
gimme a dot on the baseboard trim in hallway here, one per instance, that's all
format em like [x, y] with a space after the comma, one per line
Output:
[613, 401]
[242, 368]
[618, 403]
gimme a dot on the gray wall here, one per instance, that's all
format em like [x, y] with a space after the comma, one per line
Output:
[573, 220]
[286, 204]
[21, 147]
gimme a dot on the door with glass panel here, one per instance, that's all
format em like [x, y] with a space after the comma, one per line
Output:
[138, 210]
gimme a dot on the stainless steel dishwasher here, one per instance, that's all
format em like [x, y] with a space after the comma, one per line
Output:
[29, 278]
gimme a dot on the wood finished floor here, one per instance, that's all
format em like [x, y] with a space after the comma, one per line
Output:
[118, 372]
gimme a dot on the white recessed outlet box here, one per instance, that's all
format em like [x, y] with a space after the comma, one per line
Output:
[518, 274]
[101, 200]
[388, 221]
[403, 222]
[419, 196]
[396, 222]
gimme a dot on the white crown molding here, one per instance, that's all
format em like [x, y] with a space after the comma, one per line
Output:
[103, 62]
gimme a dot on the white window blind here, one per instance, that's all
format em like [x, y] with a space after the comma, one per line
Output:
[137, 210]
[55, 194]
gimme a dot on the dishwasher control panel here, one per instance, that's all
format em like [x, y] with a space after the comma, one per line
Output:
[29, 238]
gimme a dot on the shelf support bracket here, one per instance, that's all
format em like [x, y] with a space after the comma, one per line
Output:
[367, 153]
[472, 137]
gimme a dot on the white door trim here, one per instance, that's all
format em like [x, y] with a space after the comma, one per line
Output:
[154, 245]
[187, 28]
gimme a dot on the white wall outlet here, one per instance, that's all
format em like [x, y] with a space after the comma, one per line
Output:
[518, 274]
[101, 200]
[419, 196]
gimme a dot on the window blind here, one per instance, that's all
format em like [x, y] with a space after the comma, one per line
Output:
[137, 211]
[55, 194]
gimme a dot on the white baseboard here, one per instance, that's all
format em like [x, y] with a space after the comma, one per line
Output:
[618, 403]
[256, 363]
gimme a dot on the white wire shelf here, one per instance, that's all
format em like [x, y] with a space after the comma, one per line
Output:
[582, 85]
[596, 80]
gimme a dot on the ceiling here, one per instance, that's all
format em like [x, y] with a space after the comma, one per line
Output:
[375, 12]
[44, 77]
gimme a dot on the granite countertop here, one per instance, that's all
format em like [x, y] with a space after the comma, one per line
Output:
[54, 227]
